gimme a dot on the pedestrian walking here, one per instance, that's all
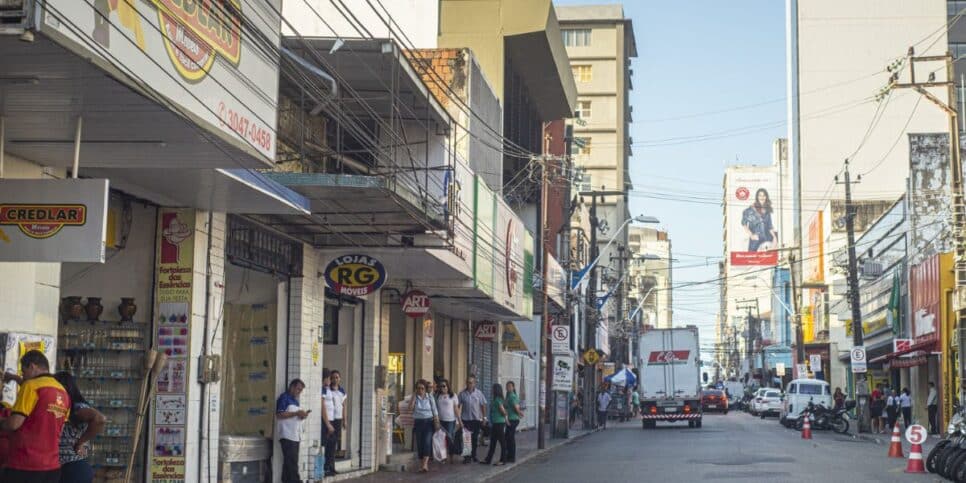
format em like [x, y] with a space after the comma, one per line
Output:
[448, 406]
[472, 413]
[839, 398]
[425, 422]
[83, 424]
[892, 409]
[905, 404]
[514, 415]
[876, 405]
[498, 415]
[576, 406]
[333, 412]
[288, 422]
[603, 402]
[36, 421]
[635, 401]
[932, 405]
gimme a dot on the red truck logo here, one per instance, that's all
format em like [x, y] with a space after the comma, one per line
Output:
[668, 357]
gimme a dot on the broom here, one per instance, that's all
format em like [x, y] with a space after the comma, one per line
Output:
[153, 363]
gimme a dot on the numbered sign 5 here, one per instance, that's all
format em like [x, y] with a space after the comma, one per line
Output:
[916, 434]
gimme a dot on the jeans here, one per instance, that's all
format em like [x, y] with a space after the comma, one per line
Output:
[423, 434]
[933, 423]
[331, 443]
[907, 416]
[892, 415]
[77, 472]
[22, 476]
[511, 440]
[450, 428]
[602, 419]
[497, 436]
[474, 428]
[290, 461]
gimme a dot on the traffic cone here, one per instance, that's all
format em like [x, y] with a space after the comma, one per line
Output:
[915, 460]
[806, 428]
[895, 449]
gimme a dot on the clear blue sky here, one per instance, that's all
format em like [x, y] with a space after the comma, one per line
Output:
[695, 57]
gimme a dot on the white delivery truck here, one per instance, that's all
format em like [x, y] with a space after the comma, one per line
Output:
[670, 386]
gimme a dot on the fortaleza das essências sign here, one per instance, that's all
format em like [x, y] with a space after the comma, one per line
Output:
[355, 275]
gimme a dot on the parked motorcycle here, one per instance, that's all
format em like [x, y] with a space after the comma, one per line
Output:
[947, 458]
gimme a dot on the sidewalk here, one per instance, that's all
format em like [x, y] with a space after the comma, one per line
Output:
[472, 472]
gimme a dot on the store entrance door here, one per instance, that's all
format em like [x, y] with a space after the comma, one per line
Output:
[343, 340]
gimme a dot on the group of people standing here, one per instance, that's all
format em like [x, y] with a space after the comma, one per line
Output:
[288, 423]
[435, 406]
[887, 405]
[44, 436]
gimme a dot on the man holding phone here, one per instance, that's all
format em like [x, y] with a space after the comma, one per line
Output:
[288, 419]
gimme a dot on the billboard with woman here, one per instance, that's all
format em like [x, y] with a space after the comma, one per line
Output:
[753, 217]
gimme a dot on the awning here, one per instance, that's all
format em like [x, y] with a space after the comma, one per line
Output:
[226, 190]
[918, 346]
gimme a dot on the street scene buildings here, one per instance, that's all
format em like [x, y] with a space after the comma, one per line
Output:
[298, 240]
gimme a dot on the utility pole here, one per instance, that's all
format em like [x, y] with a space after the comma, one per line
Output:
[545, 317]
[797, 317]
[625, 343]
[861, 384]
[955, 172]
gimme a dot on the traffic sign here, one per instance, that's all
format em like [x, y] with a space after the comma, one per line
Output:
[916, 434]
[858, 359]
[560, 339]
[591, 357]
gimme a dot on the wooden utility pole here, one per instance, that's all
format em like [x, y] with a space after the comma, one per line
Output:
[861, 383]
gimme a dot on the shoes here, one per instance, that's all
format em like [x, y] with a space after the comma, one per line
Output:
[498, 463]
[484, 462]
[330, 473]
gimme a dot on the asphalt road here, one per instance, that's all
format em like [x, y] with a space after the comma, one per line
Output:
[733, 447]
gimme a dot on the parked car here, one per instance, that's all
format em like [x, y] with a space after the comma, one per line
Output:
[714, 400]
[768, 403]
[755, 399]
[799, 393]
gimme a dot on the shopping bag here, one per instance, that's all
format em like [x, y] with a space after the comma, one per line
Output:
[467, 443]
[456, 444]
[439, 446]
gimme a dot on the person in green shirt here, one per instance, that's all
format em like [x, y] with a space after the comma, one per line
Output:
[635, 401]
[498, 415]
[514, 414]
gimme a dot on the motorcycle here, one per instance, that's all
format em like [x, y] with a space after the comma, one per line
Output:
[947, 458]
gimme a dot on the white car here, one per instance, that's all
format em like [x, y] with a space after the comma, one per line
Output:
[768, 402]
[755, 400]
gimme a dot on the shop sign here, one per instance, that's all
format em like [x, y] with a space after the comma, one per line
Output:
[53, 220]
[512, 340]
[415, 304]
[563, 373]
[924, 296]
[355, 275]
[815, 362]
[173, 292]
[174, 46]
[486, 331]
[556, 283]
[780, 369]
[560, 339]
[901, 345]
[427, 336]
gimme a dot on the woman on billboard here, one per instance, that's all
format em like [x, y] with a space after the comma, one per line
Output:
[756, 220]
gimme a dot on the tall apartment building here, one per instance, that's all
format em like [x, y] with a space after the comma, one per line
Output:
[600, 43]
[650, 267]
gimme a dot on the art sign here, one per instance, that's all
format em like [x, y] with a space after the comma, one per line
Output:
[355, 275]
[53, 220]
[415, 304]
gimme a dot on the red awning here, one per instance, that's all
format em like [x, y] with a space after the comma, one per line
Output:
[912, 348]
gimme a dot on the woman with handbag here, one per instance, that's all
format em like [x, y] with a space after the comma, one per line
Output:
[449, 406]
[498, 415]
[514, 414]
[425, 422]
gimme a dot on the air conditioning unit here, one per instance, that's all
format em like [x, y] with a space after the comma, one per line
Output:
[871, 269]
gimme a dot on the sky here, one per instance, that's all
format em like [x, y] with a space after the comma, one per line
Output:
[696, 59]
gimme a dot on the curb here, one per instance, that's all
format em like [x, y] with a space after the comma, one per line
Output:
[521, 461]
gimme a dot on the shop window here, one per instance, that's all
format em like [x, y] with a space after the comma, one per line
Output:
[330, 326]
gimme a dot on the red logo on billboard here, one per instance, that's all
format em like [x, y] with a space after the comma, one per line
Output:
[415, 304]
[42, 221]
[742, 193]
[174, 231]
[511, 271]
[668, 357]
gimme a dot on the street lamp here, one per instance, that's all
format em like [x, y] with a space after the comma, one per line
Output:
[590, 266]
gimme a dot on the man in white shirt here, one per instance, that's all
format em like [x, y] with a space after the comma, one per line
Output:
[932, 404]
[288, 427]
[603, 402]
[333, 410]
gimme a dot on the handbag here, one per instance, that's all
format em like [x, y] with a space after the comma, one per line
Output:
[467, 443]
[440, 452]
[456, 443]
